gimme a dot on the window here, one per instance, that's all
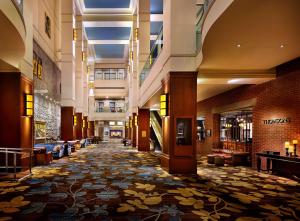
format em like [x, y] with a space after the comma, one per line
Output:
[110, 74]
[236, 127]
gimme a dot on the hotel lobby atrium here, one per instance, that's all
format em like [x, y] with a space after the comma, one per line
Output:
[150, 110]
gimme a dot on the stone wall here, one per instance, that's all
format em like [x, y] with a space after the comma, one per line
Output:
[47, 105]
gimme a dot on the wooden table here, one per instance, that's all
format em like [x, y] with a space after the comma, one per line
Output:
[280, 165]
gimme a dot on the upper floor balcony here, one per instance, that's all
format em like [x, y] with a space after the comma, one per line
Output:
[12, 39]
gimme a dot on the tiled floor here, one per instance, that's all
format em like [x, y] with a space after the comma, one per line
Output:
[112, 182]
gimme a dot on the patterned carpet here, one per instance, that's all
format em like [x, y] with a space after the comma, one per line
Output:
[112, 182]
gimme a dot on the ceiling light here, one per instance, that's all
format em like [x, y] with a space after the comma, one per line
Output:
[233, 81]
[281, 46]
[238, 45]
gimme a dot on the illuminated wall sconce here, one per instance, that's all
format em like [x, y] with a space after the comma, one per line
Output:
[131, 55]
[127, 125]
[136, 120]
[130, 123]
[83, 57]
[83, 123]
[128, 69]
[89, 125]
[164, 105]
[74, 34]
[74, 120]
[150, 59]
[29, 105]
[136, 34]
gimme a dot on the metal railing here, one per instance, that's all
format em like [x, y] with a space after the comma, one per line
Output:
[201, 14]
[107, 110]
[12, 164]
[154, 53]
[19, 5]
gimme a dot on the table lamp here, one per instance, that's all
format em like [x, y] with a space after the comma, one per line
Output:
[295, 142]
[287, 145]
[291, 150]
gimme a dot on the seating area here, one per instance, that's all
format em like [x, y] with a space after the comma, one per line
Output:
[231, 153]
[45, 152]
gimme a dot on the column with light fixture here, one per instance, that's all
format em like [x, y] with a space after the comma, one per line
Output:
[68, 39]
[91, 129]
[17, 111]
[179, 113]
[143, 137]
[133, 125]
[84, 127]
[78, 126]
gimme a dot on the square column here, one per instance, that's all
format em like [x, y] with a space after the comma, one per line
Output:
[78, 126]
[91, 129]
[143, 131]
[84, 127]
[179, 126]
[129, 127]
[67, 124]
[133, 130]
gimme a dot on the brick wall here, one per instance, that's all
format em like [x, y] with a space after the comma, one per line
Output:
[279, 98]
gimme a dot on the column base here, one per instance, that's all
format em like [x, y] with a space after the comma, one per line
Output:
[178, 165]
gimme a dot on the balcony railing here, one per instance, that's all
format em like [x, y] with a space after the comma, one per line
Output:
[108, 110]
[201, 14]
[19, 5]
[155, 51]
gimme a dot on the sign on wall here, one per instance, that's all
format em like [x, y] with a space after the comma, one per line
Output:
[37, 66]
[277, 121]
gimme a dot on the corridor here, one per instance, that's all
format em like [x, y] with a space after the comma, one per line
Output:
[113, 182]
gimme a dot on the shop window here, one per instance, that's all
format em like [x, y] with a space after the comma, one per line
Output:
[236, 127]
[112, 106]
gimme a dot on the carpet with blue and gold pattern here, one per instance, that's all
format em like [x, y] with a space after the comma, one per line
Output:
[112, 182]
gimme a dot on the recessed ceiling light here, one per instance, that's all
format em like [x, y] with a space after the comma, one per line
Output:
[238, 45]
[233, 81]
[281, 46]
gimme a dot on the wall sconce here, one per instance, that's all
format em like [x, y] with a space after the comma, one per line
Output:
[131, 55]
[83, 57]
[29, 105]
[89, 125]
[287, 146]
[74, 34]
[74, 120]
[136, 120]
[164, 105]
[295, 142]
[127, 125]
[136, 34]
[83, 123]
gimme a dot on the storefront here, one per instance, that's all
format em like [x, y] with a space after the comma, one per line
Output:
[254, 118]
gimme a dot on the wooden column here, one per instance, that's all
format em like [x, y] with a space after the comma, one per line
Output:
[84, 127]
[67, 127]
[143, 130]
[129, 128]
[133, 130]
[91, 129]
[78, 127]
[179, 127]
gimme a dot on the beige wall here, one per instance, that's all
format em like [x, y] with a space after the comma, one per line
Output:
[50, 45]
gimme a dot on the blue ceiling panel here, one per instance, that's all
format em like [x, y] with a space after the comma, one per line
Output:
[155, 27]
[107, 3]
[108, 33]
[156, 6]
[109, 51]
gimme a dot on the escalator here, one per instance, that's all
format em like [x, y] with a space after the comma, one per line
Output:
[156, 130]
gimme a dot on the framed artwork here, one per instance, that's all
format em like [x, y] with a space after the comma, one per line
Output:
[40, 129]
